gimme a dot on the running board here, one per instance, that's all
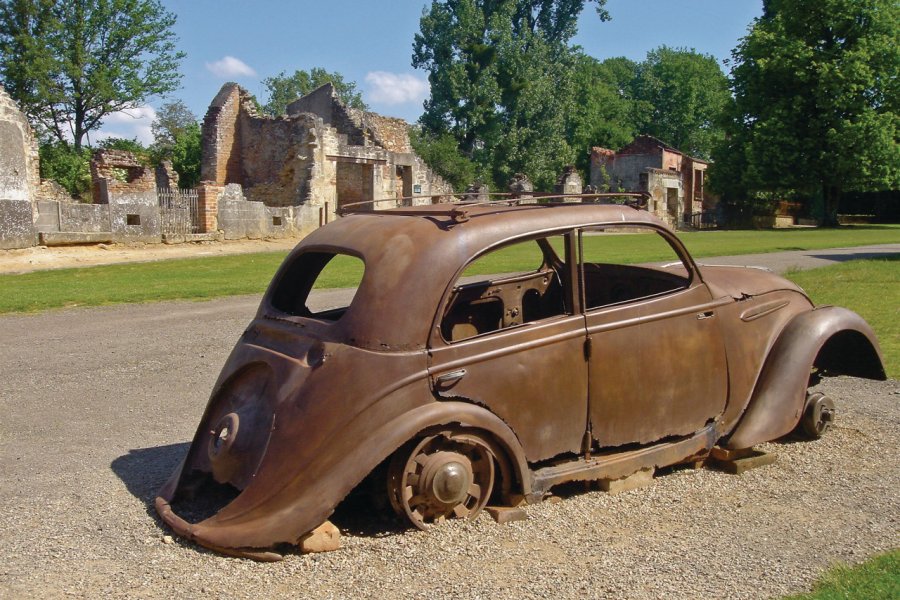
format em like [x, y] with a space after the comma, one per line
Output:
[616, 465]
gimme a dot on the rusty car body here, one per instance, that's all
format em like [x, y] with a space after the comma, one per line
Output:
[466, 387]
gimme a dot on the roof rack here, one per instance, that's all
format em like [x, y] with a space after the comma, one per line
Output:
[460, 203]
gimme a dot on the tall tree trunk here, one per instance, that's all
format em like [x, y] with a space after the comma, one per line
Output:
[831, 195]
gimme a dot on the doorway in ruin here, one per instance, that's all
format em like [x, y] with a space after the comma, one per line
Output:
[404, 184]
[672, 204]
[354, 182]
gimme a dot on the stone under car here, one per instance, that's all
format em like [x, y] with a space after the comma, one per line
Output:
[458, 387]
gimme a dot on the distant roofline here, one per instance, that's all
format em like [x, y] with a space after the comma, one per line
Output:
[661, 144]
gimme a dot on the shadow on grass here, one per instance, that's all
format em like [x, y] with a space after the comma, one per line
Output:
[855, 256]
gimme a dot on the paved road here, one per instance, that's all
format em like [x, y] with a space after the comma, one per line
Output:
[780, 262]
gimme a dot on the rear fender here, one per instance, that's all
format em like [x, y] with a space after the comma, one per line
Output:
[835, 340]
[311, 497]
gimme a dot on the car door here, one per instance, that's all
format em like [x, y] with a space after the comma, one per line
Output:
[657, 364]
[514, 344]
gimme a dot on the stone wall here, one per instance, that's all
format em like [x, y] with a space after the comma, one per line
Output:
[19, 176]
[16, 223]
[621, 171]
[17, 173]
[320, 156]
[241, 218]
[388, 132]
[278, 157]
[87, 218]
[666, 190]
[568, 182]
[323, 103]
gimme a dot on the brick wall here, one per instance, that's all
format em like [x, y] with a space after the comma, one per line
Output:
[118, 174]
[220, 161]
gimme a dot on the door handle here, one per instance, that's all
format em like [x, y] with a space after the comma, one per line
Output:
[706, 315]
[450, 377]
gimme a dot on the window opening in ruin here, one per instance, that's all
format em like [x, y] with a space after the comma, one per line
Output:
[311, 270]
[276, 221]
[528, 288]
[132, 219]
[612, 273]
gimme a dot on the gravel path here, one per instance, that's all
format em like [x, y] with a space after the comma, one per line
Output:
[98, 404]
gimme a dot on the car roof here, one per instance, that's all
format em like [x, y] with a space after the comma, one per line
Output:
[411, 253]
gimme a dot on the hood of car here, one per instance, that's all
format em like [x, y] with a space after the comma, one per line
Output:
[740, 282]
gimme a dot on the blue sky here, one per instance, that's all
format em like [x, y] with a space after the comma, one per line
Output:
[370, 42]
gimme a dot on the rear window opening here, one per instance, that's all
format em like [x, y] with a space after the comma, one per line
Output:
[318, 270]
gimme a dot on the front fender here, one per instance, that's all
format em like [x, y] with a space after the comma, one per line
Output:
[831, 334]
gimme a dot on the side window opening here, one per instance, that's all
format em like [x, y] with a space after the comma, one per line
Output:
[312, 270]
[624, 264]
[516, 284]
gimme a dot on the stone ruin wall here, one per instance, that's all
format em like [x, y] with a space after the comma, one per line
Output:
[390, 133]
[19, 176]
[279, 157]
[304, 160]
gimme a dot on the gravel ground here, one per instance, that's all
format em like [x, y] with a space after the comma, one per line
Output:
[98, 405]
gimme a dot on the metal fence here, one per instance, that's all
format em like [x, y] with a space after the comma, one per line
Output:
[178, 211]
[702, 220]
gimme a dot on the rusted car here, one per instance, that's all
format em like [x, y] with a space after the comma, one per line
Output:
[458, 386]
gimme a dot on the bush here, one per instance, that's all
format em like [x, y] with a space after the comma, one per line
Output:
[68, 167]
[442, 155]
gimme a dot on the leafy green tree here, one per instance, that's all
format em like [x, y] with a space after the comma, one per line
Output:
[172, 120]
[606, 112]
[501, 76]
[284, 89]
[686, 93]
[176, 134]
[186, 156]
[816, 93]
[67, 166]
[71, 63]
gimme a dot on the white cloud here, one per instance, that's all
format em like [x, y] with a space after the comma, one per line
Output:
[396, 88]
[229, 66]
[131, 123]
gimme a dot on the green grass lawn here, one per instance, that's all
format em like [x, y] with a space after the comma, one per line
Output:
[876, 579]
[210, 277]
[869, 287]
[196, 278]
[721, 243]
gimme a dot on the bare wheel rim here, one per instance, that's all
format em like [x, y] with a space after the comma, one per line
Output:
[442, 476]
[818, 416]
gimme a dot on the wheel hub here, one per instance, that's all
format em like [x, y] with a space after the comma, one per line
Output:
[446, 477]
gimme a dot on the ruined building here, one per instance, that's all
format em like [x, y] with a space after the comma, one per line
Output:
[261, 177]
[295, 171]
[19, 178]
[675, 181]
